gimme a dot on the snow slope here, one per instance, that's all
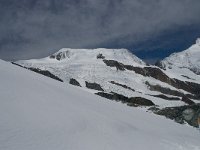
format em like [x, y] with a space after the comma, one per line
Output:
[83, 65]
[39, 113]
[185, 63]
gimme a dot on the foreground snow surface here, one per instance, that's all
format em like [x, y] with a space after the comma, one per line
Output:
[38, 113]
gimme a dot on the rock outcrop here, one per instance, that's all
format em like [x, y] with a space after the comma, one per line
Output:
[94, 86]
[74, 82]
[167, 97]
[43, 72]
[187, 100]
[122, 85]
[114, 63]
[100, 56]
[140, 101]
[181, 114]
[132, 101]
[158, 74]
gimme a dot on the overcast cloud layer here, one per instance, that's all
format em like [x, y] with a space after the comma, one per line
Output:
[36, 28]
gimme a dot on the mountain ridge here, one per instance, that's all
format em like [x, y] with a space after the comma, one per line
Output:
[119, 75]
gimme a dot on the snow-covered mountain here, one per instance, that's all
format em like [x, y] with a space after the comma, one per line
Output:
[86, 65]
[37, 112]
[119, 75]
[185, 63]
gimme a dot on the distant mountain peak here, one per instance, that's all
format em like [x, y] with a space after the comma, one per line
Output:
[121, 55]
[189, 58]
[198, 41]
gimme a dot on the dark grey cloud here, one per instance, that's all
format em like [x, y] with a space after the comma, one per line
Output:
[36, 28]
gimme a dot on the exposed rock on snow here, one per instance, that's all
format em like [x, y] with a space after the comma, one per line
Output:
[166, 97]
[140, 101]
[74, 82]
[100, 56]
[181, 114]
[94, 86]
[46, 73]
[122, 85]
[43, 72]
[114, 96]
[187, 100]
[114, 63]
[132, 101]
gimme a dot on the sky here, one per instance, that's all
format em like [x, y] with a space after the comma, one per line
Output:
[151, 29]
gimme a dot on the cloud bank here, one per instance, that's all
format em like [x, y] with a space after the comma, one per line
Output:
[36, 28]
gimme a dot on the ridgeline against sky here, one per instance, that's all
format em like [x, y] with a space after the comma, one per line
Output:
[151, 29]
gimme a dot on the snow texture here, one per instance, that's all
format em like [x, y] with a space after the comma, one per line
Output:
[185, 63]
[39, 113]
[83, 65]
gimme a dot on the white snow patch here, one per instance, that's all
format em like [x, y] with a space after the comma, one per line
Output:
[38, 113]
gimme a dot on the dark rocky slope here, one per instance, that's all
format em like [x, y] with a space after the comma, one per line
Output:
[132, 101]
[158, 74]
[183, 114]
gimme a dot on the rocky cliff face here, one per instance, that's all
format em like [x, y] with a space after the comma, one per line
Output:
[183, 114]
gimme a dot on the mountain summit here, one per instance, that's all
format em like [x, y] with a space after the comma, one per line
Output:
[198, 41]
[121, 55]
[187, 59]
